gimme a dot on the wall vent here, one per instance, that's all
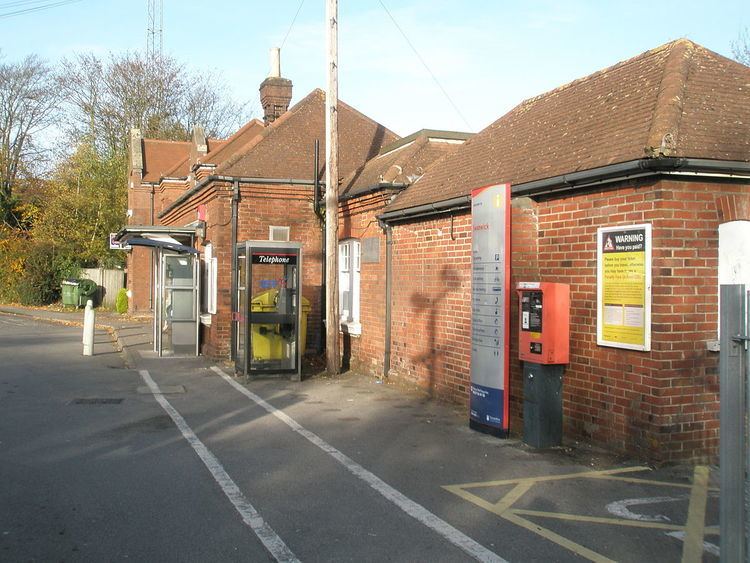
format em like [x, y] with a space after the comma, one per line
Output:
[278, 234]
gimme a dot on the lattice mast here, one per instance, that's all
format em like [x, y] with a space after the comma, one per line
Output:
[155, 28]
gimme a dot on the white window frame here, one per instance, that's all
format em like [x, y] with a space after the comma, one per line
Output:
[210, 279]
[349, 285]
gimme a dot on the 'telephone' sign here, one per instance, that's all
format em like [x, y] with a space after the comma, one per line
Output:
[490, 303]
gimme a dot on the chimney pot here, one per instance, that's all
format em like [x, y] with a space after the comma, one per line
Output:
[275, 91]
[275, 63]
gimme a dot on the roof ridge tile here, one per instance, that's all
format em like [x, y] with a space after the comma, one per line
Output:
[665, 122]
[268, 130]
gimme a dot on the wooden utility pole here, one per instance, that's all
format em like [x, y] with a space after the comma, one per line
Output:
[333, 360]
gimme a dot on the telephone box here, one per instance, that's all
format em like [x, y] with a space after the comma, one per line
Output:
[543, 346]
[544, 325]
[269, 313]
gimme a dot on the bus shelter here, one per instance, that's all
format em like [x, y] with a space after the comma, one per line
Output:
[175, 285]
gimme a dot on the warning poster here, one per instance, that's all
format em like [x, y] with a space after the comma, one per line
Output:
[624, 287]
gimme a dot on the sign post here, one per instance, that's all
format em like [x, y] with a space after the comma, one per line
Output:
[490, 306]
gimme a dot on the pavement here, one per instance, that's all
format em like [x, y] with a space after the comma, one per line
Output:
[128, 333]
[563, 504]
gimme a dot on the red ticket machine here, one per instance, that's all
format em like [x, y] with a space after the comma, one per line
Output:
[543, 340]
[544, 325]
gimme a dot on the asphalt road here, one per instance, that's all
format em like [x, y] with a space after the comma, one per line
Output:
[174, 461]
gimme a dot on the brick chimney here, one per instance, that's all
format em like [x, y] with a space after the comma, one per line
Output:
[275, 92]
[199, 146]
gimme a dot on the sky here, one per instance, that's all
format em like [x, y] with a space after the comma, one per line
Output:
[407, 64]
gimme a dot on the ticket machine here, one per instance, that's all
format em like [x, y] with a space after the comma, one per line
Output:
[544, 348]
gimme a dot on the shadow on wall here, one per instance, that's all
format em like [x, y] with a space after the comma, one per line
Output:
[429, 307]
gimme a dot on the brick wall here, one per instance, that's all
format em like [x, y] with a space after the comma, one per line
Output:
[431, 326]
[431, 319]
[260, 206]
[139, 258]
[358, 219]
[661, 405]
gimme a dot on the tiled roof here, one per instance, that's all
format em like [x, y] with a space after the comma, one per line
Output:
[679, 99]
[226, 149]
[403, 161]
[284, 149]
[179, 170]
[161, 156]
[214, 156]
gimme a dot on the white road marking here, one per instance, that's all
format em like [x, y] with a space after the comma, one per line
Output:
[708, 547]
[620, 508]
[250, 516]
[417, 511]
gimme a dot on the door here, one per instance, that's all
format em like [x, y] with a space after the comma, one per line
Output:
[239, 315]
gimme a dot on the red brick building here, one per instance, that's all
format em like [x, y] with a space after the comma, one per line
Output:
[661, 139]
[259, 180]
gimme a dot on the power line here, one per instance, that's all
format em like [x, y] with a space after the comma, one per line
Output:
[424, 64]
[40, 8]
[18, 3]
[292, 24]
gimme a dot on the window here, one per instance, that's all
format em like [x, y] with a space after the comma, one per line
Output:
[210, 271]
[349, 262]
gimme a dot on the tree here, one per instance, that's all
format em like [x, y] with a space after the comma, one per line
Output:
[84, 201]
[741, 47]
[157, 95]
[28, 102]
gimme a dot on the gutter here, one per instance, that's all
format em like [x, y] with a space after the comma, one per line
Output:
[663, 166]
[570, 183]
[374, 188]
[234, 179]
[447, 206]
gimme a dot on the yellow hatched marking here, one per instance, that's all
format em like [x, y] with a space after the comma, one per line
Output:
[692, 549]
[580, 475]
[650, 482]
[599, 520]
[695, 528]
[576, 548]
[497, 508]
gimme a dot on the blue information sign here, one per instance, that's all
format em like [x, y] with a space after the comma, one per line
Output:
[490, 307]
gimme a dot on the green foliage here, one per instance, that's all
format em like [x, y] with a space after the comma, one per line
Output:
[84, 202]
[31, 271]
[12, 261]
[121, 302]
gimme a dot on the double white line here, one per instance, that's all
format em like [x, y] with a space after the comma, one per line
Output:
[273, 543]
[270, 539]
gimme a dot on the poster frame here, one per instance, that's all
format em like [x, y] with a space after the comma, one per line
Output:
[600, 282]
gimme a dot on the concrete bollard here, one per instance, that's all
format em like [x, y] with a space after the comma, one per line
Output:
[89, 322]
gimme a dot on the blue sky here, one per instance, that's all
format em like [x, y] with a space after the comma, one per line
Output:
[487, 55]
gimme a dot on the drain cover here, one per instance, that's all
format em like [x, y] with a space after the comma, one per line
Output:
[96, 401]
